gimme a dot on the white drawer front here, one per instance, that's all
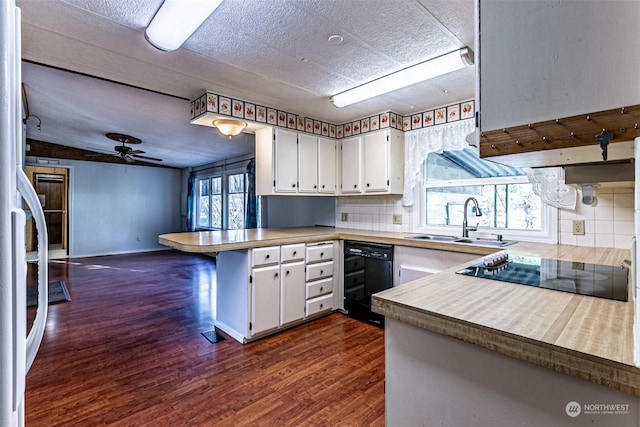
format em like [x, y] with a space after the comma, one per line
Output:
[292, 253]
[319, 253]
[265, 256]
[319, 271]
[319, 305]
[319, 287]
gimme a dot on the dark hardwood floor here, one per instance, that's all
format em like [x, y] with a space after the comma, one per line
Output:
[127, 350]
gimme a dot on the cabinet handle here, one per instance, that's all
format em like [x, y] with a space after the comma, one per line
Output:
[276, 275]
[321, 305]
[367, 184]
[294, 252]
[321, 254]
[267, 257]
[355, 185]
[321, 271]
[321, 288]
[322, 185]
[315, 186]
[293, 185]
[287, 272]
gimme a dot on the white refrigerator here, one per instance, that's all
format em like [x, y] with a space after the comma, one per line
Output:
[17, 350]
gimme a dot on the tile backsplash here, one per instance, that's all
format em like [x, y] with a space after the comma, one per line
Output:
[609, 221]
[373, 213]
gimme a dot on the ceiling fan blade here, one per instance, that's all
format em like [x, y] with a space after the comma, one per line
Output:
[147, 158]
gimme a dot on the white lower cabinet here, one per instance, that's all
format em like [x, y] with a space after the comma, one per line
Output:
[319, 278]
[265, 295]
[292, 292]
[263, 290]
[410, 263]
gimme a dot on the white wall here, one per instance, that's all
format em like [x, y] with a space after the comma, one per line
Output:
[120, 208]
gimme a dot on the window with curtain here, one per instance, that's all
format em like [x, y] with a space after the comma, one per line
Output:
[442, 171]
[221, 200]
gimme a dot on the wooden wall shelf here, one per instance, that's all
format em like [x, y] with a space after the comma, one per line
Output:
[575, 131]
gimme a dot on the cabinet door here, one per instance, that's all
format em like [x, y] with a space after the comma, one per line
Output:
[292, 292]
[308, 163]
[376, 161]
[286, 161]
[351, 165]
[326, 166]
[265, 299]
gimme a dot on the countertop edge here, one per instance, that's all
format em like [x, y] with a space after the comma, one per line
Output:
[609, 373]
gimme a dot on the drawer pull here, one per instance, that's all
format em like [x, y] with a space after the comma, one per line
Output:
[287, 272]
[321, 254]
[321, 305]
[267, 257]
[295, 252]
[321, 271]
[321, 288]
[276, 275]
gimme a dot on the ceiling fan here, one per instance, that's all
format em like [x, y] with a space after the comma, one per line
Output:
[124, 151]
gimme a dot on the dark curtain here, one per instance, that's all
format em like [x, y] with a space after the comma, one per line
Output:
[251, 219]
[191, 205]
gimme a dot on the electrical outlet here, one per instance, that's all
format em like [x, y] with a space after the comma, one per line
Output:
[578, 227]
[344, 217]
[397, 219]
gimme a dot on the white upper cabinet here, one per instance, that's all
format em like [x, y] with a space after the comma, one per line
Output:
[376, 161]
[547, 60]
[327, 166]
[307, 163]
[373, 163]
[286, 161]
[351, 155]
[291, 163]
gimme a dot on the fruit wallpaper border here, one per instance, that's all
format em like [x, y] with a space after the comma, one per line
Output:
[210, 102]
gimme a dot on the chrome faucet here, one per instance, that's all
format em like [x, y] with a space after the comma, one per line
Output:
[465, 227]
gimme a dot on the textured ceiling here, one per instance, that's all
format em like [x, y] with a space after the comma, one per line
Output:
[273, 52]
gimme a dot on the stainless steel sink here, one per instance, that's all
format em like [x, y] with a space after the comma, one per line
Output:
[465, 240]
[433, 237]
[485, 242]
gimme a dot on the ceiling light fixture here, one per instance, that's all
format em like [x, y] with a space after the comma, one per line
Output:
[435, 67]
[176, 20]
[229, 127]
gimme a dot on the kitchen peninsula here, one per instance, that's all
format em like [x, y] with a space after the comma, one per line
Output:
[480, 342]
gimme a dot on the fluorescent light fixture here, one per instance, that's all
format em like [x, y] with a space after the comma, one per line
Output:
[229, 127]
[176, 20]
[406, 77]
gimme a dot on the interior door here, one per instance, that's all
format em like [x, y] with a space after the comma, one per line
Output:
[51, 185]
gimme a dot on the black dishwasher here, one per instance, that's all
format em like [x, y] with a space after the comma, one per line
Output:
[368, 268]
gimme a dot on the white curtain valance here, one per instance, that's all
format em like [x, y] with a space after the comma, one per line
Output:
[436, 139]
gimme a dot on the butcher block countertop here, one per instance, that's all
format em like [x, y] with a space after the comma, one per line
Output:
[587, 337]
[228, 240]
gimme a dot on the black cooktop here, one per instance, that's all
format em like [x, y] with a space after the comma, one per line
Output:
[603, 281]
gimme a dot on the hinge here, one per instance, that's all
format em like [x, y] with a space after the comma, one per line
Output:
[274, 182]
[250, 279]
[387, 183]
[477, 118]
[387, 137]
[274, 136]
[250, 326]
